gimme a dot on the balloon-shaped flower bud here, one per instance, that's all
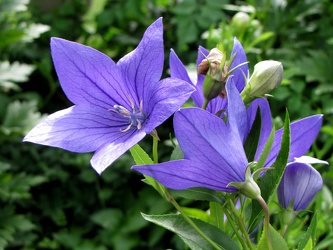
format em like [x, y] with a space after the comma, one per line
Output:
[240, 21]
[288, 215]
[267, 76]
[249, 187]
[298, 186]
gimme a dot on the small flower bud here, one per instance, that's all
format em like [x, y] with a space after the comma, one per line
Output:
[288, 216]
[240, 21]
[267, 76]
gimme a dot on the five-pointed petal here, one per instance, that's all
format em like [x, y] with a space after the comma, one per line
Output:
[115, 105]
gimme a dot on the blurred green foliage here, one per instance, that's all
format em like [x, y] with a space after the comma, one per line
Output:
[52, 199]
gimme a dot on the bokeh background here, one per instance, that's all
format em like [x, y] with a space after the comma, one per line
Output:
[53, 199]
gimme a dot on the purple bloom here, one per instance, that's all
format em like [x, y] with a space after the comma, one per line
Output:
[299, 185]
[213, 150]
[178, 70]
[115, 105]
[302, 132]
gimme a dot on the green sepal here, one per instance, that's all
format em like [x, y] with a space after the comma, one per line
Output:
[177, 224]
[269, 182]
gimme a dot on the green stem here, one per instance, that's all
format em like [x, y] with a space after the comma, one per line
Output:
[266, 221]
[284, 230]
[205, 103]
[155, 154]
[195, 227]
[234, 228]
[241, 225]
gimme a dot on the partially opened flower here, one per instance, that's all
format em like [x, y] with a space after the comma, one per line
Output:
[115, 105]
[299, 185]
[178, 70]
[213, 150]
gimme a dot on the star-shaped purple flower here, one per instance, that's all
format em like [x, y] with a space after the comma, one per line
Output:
[115, 105]
[299, 184]
[213, 150]
[178, 70]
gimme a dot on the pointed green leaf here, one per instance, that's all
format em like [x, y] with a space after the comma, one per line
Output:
[309, 235]
[140, 156]
[216, 215]
[177, 224]
[278, 243]
[269, 182]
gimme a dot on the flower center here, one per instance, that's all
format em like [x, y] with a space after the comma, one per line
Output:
[136, 117]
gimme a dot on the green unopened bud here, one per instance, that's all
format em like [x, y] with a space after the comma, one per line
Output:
[267, 76]
[249, 187]
[240, 21]
[288, 216]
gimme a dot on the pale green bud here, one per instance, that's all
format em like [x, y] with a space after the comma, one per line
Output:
[240, 21]
[288, 216]
[267, 76]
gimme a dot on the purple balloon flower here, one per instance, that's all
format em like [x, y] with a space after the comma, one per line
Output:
[299, 184]
[115, 105]
[178, 70]
[213, 150]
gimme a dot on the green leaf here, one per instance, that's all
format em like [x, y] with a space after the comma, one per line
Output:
[109, 218]
[263, 37]
[177, 154]
[264, 154]
[309, 235]
[278, 243]
[202, 194]
[13, 5]
[252, 139]
[140, 156]
[15, 72]
[177, 224]
[269, 182]
[216, 215]
[20, 117]
[196, 213]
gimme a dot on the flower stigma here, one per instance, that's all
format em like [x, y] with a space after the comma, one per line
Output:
[136, 117]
